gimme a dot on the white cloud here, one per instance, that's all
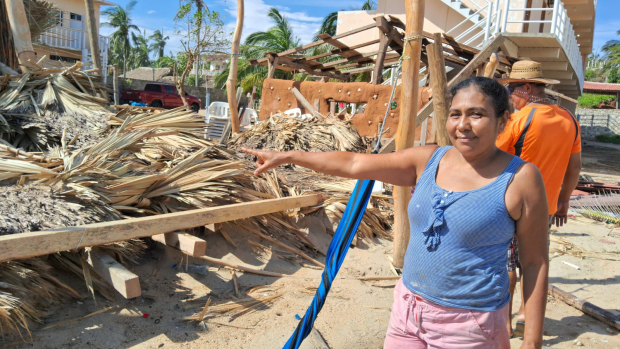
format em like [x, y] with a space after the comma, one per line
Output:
[151, 12]
[255, 19]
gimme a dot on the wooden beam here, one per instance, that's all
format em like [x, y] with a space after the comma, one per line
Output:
[335, 52]
[123, 281]
[271, 64]
[586, 307]
[190, 244]
[50, 241]
[439, 86]
[304, 102]
[405, 134]
[93, 35]
[346, 50]
[311, 71]
[21, 32]
[384, 41]
[316, 43]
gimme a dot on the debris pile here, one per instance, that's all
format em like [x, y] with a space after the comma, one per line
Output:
[283, 133]
[97, 166]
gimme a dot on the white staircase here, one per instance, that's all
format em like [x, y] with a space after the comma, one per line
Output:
[463, 9]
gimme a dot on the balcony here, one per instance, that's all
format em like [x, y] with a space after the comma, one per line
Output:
[65, 38]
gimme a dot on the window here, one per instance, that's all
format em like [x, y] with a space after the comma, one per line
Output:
[75, 16]
[152, 88]
[170, 89]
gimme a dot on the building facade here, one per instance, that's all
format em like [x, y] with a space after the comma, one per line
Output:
[68, 41]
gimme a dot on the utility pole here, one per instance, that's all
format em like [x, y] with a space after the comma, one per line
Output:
[21, 32]
[232, 74]
[93, 35]
[406, 122]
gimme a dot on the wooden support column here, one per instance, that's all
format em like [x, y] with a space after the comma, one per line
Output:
[231, 83]
[304, 102]
[405, 133]
[93, 35]
[439, 85]
[384, 41]
[21, 32]
[124, 281]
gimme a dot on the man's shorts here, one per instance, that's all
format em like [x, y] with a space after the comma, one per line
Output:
[513, 250]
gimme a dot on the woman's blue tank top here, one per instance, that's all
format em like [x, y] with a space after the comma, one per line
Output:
[458, 246]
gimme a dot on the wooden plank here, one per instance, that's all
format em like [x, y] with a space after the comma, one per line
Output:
[317, 43]
[586, 307]
[346, 50]
[304, 102]
[50, 241]
[18, 22]
[311, 71]
[190, 244]
[123, 281]
[405, 134]
[439, 86]
[336, 52]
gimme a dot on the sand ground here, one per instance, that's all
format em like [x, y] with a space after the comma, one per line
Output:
[356, 313]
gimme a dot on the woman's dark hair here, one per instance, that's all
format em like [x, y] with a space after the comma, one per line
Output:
[490, 88]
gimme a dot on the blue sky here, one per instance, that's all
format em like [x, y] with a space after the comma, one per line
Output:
[305, 16]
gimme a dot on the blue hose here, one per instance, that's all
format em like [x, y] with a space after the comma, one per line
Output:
[338, 249]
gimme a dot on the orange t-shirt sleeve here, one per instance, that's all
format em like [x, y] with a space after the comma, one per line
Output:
[577, 144]
[507, 139]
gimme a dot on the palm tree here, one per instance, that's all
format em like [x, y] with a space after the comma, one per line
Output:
[277, 38]
[120, 19]
[159, 43]
[140, 51]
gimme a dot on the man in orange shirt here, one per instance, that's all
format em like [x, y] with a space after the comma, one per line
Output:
[546, 135]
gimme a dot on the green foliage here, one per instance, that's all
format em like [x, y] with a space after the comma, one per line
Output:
[164, 62]
[614, 76]
[596, 75]
[159, 43]
[588, 100]
[140, 53]
[615, 139]
[120, 44]
[191, 80]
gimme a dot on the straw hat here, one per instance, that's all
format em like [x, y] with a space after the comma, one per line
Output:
[527, 71]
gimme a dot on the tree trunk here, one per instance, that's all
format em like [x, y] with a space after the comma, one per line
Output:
[181, 82]
[231, 83]
[8, 55]
[93, 35]
[21, 32]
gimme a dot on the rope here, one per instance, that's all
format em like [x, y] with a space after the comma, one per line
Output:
[405, 45]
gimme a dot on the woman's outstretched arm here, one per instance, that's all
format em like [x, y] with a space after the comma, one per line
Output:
[399, 168]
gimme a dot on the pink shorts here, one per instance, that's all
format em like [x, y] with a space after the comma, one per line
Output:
[417, 323]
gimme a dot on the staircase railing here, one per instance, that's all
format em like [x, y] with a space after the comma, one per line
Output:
[483, 30]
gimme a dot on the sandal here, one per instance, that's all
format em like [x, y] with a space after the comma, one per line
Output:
[519, 329]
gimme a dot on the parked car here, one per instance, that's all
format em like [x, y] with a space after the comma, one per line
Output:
[159, 96]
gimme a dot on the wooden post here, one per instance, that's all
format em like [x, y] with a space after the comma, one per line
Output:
[93, 35]
[439, 85]
[115, 84]
[384, 41]
[190, 244]
[232, 75]
[405, 133]
[124, 281]
[586, 307]
[21, 32]
[252, 96]
[489, 69]
[332, 108]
